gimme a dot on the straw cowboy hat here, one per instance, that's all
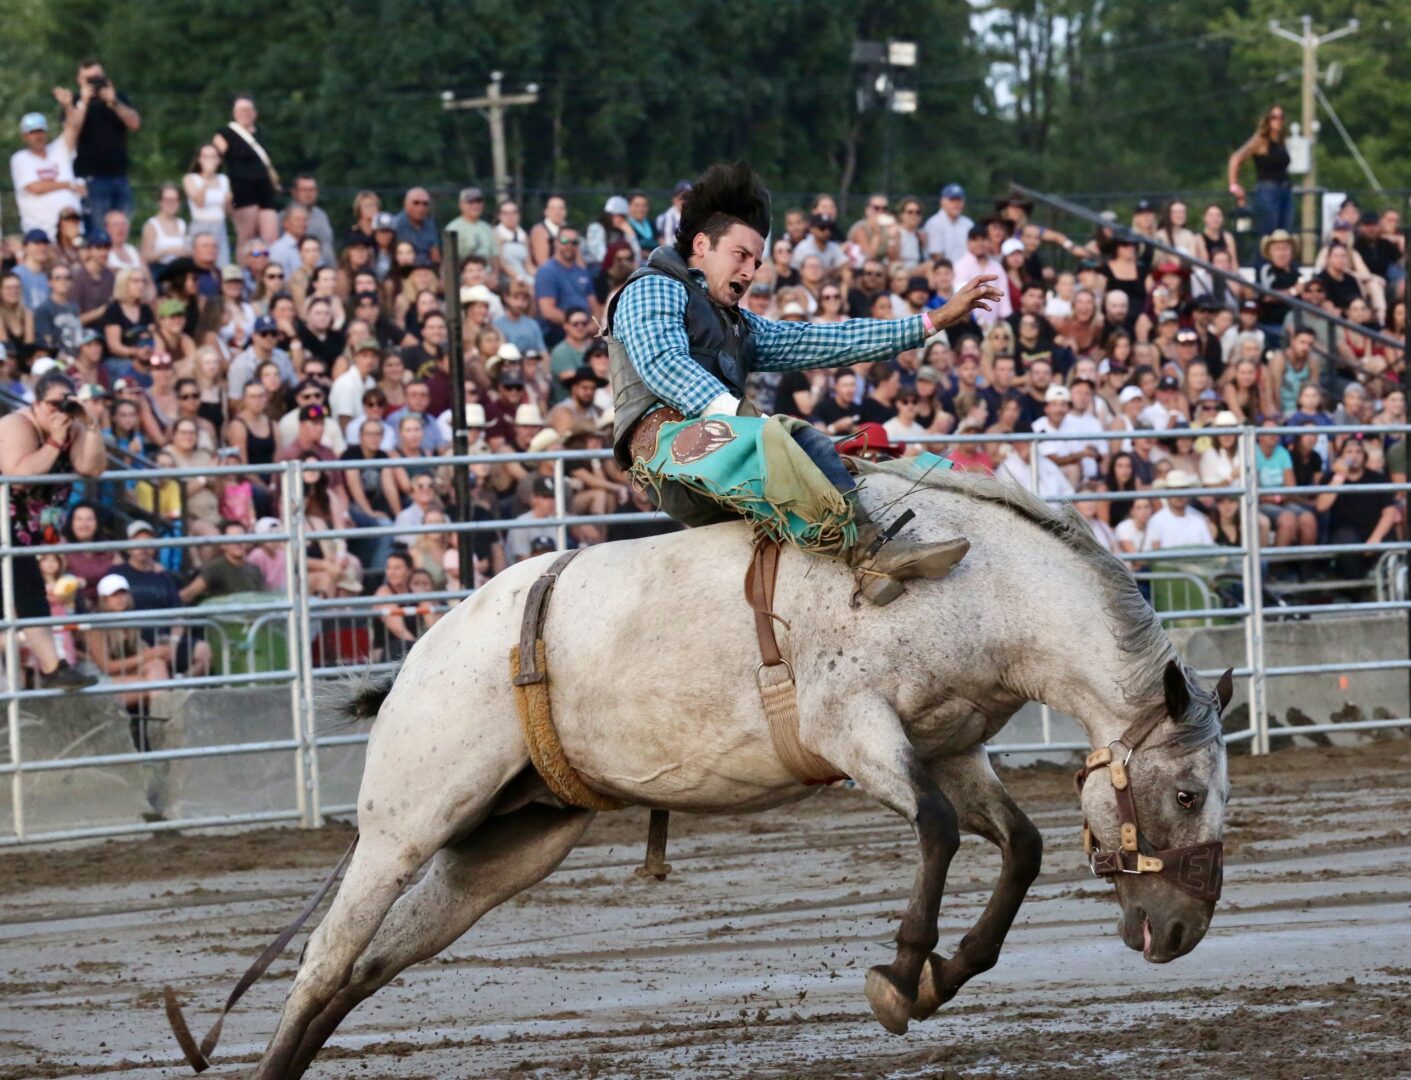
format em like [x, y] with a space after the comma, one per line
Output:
[528, 415]
[1278, 236]
[546, 440]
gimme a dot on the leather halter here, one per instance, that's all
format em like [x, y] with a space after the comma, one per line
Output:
[1197, 870]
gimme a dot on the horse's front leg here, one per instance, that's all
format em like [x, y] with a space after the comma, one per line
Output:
[875, 752]
[984, 808]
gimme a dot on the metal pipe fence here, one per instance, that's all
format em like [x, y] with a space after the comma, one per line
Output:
[294, 638]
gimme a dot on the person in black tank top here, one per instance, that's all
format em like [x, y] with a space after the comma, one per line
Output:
[1273, 192]
[253, 180]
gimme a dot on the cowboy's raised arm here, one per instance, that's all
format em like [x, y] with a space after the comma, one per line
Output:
[789, 346]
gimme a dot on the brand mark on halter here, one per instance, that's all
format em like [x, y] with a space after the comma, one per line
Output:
[700, 440]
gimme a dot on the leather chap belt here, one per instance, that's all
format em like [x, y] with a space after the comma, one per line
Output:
[643, 439]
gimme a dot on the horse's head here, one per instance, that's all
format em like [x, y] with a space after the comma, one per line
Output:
[1154, 803]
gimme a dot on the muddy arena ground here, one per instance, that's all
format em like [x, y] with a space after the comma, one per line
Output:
[749, 960]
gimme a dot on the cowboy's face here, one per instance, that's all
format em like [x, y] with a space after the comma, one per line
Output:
[730, 263]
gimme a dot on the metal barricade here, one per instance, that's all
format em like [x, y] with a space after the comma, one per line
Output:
[324, 638]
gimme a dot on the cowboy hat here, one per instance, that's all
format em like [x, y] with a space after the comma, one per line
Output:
[1176, 479]
[528, 415]
[1278, 236]
[546, 440]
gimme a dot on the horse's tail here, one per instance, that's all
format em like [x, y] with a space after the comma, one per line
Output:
[357, 696]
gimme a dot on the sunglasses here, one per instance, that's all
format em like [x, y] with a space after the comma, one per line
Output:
[878, 206]
[256, 253]
[568, 243]
[188, 397]
[830, 296]
[577, 324]
[421, 202]
[274, 274]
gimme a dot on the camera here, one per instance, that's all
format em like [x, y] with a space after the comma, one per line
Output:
[98, 82]
[73, 407]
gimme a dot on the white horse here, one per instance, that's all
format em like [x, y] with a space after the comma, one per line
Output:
[652, 659]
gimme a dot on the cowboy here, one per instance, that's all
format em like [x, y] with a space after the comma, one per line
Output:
[681, 347]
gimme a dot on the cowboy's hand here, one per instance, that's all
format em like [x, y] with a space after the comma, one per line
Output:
[977, 295]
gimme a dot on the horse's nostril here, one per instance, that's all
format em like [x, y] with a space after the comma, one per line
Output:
[1175, 938]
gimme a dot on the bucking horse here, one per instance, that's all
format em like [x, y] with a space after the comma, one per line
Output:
[655, 698]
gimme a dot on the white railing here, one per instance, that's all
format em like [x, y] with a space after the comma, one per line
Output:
[303, 618]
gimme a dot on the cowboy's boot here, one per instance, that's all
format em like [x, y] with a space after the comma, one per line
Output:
[883, 564]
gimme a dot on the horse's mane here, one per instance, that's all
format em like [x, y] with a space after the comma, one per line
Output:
[1139, 633]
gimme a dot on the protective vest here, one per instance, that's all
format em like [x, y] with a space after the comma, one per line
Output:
[720, 342]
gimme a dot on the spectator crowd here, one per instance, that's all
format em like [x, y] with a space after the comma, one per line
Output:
[236, 325]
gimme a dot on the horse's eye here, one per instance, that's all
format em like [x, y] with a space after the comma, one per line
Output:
[1189, 800]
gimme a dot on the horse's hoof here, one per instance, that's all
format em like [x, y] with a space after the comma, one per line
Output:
[889, 1004]
[928, 989]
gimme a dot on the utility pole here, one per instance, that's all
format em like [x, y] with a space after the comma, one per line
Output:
[1308, 41]
[492, 106]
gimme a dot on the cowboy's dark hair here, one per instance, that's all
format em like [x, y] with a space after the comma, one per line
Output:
[724, 194]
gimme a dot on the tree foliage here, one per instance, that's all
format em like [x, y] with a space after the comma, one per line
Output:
[1096, 95]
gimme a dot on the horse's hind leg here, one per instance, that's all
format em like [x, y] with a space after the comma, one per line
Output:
[875, 752]
[504, 856]
[985, 808]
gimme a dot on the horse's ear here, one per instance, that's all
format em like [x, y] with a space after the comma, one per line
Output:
[1225, 688]
[1178, 694]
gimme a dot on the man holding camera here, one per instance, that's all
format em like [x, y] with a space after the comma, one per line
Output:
[51, 436]
[96, 125]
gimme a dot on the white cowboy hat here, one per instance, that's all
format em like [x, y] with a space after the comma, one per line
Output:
[528, 415]
[476, 294]
[475, 416]
[548, 439]
[1175, 479]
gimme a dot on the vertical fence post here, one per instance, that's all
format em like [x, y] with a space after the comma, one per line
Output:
[305, 662]
[560, 507]
[12, 665]
[1254, 598]
[293, 633]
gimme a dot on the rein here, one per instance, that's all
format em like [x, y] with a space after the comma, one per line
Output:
[1197, 870]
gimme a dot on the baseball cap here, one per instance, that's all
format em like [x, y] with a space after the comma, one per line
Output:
[682, 186]
[91, 392]
[1010, 246]
[1144, 206]
[170, 306]
[819, 221]
[1207, 394]
[1369, 217]
[232, 273]
[43, 366]
[1055, 392]
[543, 486]
[136, 529]
[313, 412]
[368, 345]
[36, 236]
[584, 373]
[267, 525]
[952, 191]
[1167, 316]
[1169, 382]
[761, 288]
[1249, 305]
[1187, 337]
[383, 222]
[616, 205]
[87, 336]
[1129, 393]
[265, 324]
[33, 121]
[113, 583]
[96, 239]
[472, 194]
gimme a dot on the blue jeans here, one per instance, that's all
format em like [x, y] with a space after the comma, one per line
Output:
[372, 551]
[105, 193]
[1273, 207]
[822, 453]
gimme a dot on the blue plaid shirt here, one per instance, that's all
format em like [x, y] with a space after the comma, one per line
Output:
[650, 321]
